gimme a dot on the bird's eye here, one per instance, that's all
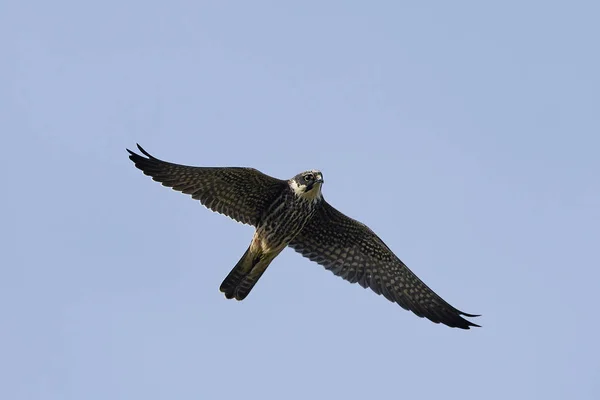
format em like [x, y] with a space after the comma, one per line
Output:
[308, 177]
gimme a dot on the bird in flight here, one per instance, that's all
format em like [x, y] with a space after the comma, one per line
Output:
[294, 213]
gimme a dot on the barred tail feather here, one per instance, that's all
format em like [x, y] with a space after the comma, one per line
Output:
[237, 274]
[248, 282]
[242, 278]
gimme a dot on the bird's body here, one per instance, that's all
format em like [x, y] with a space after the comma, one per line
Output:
[294, 213]
[284, 218]
[280, 222]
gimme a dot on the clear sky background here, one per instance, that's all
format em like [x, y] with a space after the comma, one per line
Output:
[465, 134]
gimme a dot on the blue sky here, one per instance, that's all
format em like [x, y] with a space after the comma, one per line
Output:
[465, 134]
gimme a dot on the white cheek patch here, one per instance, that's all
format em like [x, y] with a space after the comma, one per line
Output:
[298, 190]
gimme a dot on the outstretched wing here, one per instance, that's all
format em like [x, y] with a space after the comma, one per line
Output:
[239, 193]
[351, 250]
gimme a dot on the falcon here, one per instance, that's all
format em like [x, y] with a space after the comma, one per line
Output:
[294, 213]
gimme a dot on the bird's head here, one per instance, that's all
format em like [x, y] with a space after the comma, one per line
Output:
[307, 185]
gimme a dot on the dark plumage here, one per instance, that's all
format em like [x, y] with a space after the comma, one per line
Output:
[293, 213]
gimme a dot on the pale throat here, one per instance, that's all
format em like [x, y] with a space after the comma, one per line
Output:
[312, 195]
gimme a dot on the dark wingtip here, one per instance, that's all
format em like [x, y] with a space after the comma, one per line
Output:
[133, 156]
[466, 324]
[144, 152]
[472, 325]
[136, 158]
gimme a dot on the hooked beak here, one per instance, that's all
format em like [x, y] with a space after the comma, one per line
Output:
[318, 180]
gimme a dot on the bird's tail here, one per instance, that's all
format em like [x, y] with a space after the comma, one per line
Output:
[246, 273]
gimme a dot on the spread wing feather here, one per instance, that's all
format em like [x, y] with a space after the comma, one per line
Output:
[239, 193]
[351, 250]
